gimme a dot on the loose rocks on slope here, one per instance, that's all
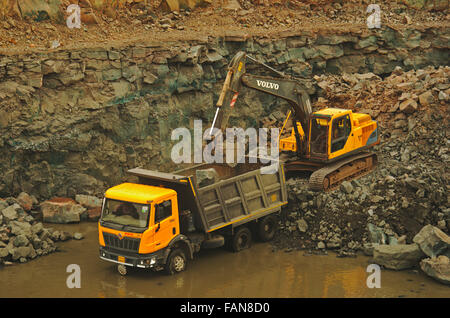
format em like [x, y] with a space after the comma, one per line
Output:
[409, 188]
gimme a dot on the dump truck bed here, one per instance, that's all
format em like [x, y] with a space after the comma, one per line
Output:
[241, 193]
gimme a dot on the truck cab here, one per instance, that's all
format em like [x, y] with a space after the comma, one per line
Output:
[137, 221]
[160, 221]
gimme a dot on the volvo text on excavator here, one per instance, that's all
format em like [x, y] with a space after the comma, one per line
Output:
[332, 143]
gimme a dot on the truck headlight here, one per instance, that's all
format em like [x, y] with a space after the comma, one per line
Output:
[152, 261]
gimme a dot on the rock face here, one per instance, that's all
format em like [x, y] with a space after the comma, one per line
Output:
[433, 241]
[93, 113]
[61, 210]
[438, 268]
[397, 257]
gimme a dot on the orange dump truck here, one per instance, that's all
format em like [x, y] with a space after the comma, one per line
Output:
[163, 219]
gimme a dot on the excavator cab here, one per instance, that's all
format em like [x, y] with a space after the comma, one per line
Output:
[319, 128]
[335, 133]
[317, 148]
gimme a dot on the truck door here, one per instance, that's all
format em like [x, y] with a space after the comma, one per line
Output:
[166, 225]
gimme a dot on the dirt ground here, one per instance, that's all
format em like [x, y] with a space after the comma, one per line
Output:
[139, 22]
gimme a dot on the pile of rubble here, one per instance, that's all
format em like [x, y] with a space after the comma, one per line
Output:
[430, 249]
[400, 92]
[23, 235]
[409, 188]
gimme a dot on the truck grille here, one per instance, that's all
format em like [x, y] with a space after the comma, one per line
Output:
[126, 244]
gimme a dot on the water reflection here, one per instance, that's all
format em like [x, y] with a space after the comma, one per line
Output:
[257, 272]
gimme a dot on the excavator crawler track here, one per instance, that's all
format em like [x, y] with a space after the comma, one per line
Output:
[331, 176]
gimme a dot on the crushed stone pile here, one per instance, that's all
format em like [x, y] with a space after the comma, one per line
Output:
[409, 188]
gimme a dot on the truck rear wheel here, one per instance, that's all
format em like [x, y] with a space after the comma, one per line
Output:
[176, 262]
[241, 239]
[267, 227]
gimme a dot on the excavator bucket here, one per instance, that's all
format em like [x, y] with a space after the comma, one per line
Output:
[237, 66]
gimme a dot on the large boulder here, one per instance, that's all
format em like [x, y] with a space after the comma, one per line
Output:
[432, 241]
[3, 204]
[39, 10]
[376, 234]
[94, 214]
[20, 228]
[25, 201]
[397, 257]
[206, 177]
[10, 213]
[22, 252]
[4, 252]
[88, 201]
[61, 210]
[438, 268]
[21, 240]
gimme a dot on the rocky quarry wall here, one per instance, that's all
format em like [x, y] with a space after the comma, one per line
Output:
[73, 121]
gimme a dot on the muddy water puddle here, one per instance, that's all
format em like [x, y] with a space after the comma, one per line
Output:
[256, 272]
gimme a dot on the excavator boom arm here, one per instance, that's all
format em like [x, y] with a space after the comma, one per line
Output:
[287, 89]
[283, 87]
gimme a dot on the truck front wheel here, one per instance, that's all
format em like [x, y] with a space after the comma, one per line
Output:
[241, 239]
[176, 262]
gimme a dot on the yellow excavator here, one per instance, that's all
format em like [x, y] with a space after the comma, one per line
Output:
[331, 143]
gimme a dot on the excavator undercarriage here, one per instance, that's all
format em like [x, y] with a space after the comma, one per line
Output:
[327, 177]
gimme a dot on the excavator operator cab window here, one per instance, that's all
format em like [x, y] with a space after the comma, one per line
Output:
[319, 135]
[340, 130]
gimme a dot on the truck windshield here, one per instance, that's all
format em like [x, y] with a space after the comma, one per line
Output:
[126, 213]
